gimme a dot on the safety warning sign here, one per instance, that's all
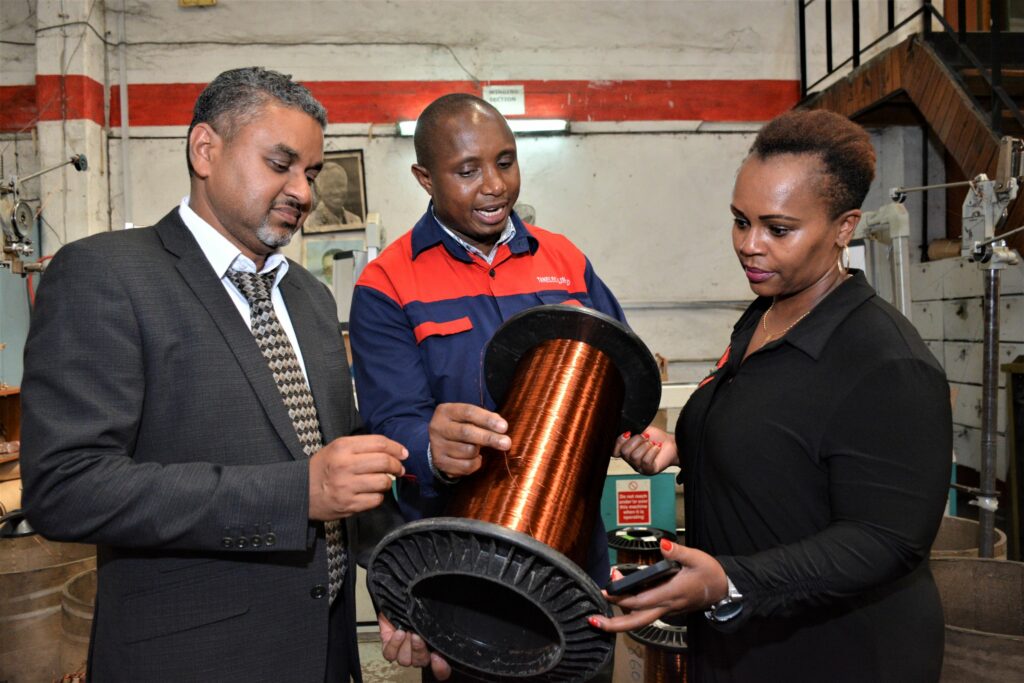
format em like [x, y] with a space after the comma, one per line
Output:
[633, 501]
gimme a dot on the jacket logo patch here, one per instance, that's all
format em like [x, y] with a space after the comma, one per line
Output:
[554, 280]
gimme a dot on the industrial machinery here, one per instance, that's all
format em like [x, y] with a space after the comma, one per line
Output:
[348, 264]
[17, 219]
[984, 213]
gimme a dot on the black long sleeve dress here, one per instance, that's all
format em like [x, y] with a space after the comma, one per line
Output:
[816, 472]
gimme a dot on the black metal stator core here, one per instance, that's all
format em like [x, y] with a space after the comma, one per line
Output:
[665, 648]
[495, 602]
[668, 634]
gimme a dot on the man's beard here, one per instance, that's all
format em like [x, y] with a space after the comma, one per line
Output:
[273, 238]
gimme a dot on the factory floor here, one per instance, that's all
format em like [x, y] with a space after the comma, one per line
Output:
[376, 669]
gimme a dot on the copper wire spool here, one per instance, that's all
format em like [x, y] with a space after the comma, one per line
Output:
[664, 651]
[640, 545]
[496, 586]
[546, 485]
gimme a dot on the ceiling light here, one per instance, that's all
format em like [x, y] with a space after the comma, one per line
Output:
[406, 128]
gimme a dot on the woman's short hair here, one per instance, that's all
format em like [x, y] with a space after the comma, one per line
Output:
[843, 147]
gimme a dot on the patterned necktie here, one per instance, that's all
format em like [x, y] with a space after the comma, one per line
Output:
[291, 382]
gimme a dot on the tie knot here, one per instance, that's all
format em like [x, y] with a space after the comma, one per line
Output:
[253, 286]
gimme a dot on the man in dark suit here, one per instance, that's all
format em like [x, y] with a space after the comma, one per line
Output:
[188, 408]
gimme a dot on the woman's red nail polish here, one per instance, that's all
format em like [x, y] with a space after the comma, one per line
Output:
[646, 435]
[657, 443]
[626, 435]
[594, 621]
[666, 545]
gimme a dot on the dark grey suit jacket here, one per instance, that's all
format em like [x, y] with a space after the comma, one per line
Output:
[153, 428]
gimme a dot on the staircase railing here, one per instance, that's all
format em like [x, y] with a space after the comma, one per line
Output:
[989, 69]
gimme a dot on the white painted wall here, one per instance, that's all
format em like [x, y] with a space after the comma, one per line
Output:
[453, 39]
[647, 203]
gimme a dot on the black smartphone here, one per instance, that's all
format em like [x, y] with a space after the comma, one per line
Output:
[644, 578]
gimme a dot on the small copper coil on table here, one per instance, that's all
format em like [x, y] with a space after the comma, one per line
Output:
[638, 544]
[496, 586]
[664, 650]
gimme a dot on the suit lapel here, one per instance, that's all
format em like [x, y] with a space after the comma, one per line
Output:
[305, 323]
[201, 279]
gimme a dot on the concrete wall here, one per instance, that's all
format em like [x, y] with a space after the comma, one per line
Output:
[664, 98]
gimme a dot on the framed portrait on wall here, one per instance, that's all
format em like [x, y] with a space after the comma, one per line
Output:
[340, 194]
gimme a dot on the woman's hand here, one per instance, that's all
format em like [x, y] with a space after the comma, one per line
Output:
[647, 453]
[408, 649]
[700, 583]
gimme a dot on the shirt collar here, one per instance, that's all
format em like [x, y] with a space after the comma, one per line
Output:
[811, 335]
[429, 232]
[221, 253]
[507, 233]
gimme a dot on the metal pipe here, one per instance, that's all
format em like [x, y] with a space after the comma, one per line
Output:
[901, 274]
[997, 68]
[891, 23]
[828, 35]
[924, 195]
[126, 188]
[802, 20]
[855, 20]
[666, 305]
[922, 188]
[989, 395]
[961, 21]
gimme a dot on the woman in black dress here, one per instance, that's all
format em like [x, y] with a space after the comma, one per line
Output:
[816, 456]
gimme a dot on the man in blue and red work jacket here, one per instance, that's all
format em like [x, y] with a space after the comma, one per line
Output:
[423, 311]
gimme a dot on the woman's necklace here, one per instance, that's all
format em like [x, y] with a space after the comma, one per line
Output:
[764, 324]
[764, 318]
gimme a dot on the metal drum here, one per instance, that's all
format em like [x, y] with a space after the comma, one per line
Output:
[983, 601]
[77, 601]
[33, 572]
[958, 537]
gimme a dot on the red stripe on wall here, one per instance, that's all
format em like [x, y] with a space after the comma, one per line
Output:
[52, 98]
[17, 107]
[156, 104]
[170, 104]
[69, 98]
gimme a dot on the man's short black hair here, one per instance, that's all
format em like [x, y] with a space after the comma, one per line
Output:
[428, 125]
[235, 97]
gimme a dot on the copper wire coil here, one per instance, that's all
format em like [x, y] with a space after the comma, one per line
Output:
[665, 649]
[661, 666]
[642, 557]
[562, 410]
[639, 545]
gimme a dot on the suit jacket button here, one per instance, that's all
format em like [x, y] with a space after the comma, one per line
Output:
[318, 592]
[242, 542]
[256, 541]
[227, 542]
[270, 539]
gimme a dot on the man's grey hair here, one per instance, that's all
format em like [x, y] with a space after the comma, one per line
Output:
[235, 97]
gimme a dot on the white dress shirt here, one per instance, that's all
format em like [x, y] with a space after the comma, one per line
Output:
[225, 256]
